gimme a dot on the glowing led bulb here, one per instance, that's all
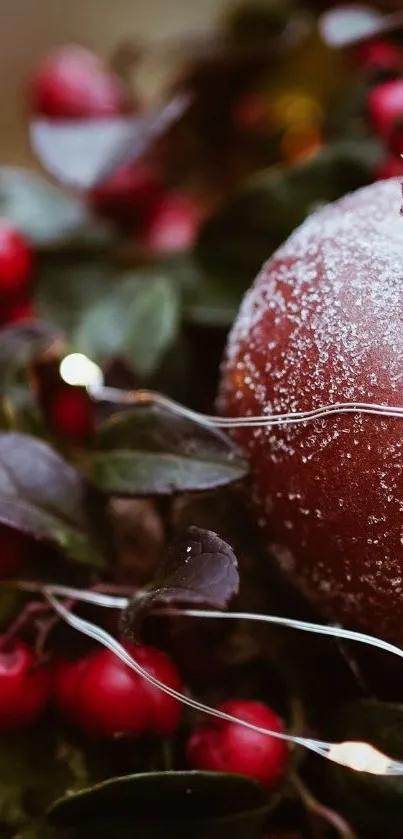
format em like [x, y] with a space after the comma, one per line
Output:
[77, 369]
[362, 757]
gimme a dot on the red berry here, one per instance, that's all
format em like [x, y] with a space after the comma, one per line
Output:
[385, 107]
[12, 550]
[321, 325]
[391, 167]
[251, 114]
[17, 311]
[382, 55]
[115, 700]
[127, 198]
[221, 746]
[72, 83]
[172, 225]
[24, 688]
[72, 413]
[66, 679]
[16, 260]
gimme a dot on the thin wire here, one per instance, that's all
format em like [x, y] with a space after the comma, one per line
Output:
[148, 397]
[107, 640]
[322, 748]
[109, 601]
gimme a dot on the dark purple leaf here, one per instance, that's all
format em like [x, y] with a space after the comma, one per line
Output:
[199, 569]
[43, 495]
[22, 343]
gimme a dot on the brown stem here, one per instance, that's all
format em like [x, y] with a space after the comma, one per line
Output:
[316, 808]
[30, 611]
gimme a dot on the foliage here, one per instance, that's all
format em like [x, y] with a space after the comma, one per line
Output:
[254, 167]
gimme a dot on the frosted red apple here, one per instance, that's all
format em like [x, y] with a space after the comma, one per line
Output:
[323, 323]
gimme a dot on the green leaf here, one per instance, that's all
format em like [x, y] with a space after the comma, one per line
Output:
[368, 801]
[44, 496]
[35, 768]
[134, 315]
[138, 320]
[259, 217]
[48, 216]
[212, 301]
[68, 286]
[147, 451]
[161, 805]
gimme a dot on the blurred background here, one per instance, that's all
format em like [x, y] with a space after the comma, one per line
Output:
[176, 146]
[30, 29]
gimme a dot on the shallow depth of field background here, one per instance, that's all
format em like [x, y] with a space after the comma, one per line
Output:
[30, 27]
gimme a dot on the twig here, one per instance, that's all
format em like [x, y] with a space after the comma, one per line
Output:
[316, 808]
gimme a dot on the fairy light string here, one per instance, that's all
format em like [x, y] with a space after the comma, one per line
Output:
[356, 755]
[151, 398]
[359, 756]
[77, 369]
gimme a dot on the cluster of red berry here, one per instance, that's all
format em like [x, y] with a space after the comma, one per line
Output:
[385, 101]
[103, 697]
[73, 84]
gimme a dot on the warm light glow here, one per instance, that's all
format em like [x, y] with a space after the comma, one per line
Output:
[300, 142]
[77, 369]
[359, 756]
[303, 109]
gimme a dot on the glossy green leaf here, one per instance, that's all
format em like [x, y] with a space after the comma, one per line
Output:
[138, 320]
[68, 286]
[44, 496]
[148, 451]
[164, 805]
[48, 216]
[369, 801]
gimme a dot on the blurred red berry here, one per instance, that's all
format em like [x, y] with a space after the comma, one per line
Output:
[391, 167]
[72, 413]
[115, 700]
[172, 225]
[72, 83]
[251, 114]
[12, 550]
[385, 107]
[16, 260]
[24, 687]
[128, 197]
[221, 746]
[17, 311]
[66, 678]
[379, 55]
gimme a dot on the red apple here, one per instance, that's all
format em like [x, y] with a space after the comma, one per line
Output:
[323, 323]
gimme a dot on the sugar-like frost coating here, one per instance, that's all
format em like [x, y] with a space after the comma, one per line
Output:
[323, 323]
